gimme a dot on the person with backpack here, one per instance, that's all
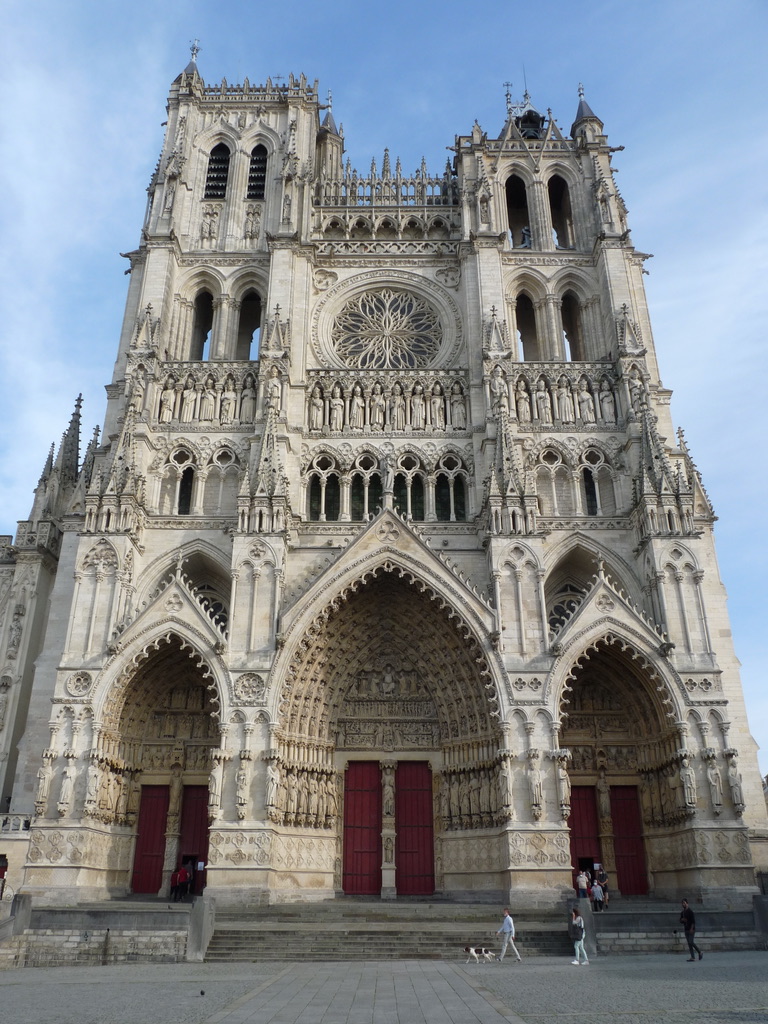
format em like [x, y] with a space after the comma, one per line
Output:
[576, 932]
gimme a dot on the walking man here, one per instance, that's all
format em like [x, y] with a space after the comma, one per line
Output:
[688, 922]
[507, 931]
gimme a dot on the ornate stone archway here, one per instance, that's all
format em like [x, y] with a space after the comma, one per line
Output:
[389, 673]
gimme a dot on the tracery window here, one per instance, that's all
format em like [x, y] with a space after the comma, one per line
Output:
[387, 329]
[366, 489]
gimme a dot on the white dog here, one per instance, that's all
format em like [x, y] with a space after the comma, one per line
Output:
[479, 953]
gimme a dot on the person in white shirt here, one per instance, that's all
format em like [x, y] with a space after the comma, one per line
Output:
[507, 931]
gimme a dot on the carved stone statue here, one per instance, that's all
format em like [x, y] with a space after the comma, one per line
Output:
[498, 388]
[274, 389]
[417, 407]
[316, 410]
[535, 789]
[357, 409]
[377, 408]
[336, 409]
[603, 796]
[607, 403]
[715, 780]
[248, 401]
[688, 782]
[437, 407]
[543, 403]
[565, 402]
[397, 408]
[734, 783]
[522, 402]
[458, 407]
[586, 404]
[388, 797]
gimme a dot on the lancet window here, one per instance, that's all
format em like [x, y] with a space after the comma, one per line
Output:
[560, 211]
[249, 326]
[573, 327]
[518, 218]
[257, 173]
[365, 489]
[218, 172]
[528, 340]
[202, 322]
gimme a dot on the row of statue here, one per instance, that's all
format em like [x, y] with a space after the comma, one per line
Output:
[670, 794]
[301, 796]
[565, 402]
[107, 791]
[398, 408]
[207, 401]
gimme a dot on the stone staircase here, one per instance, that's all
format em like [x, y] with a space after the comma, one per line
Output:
[376, 930]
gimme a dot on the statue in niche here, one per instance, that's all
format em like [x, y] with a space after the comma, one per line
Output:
[357, 408]
[688, 783]
[505, 785]
[92, 784]
[248, 401]
[397, 408]
[214, 793]
[67, 790]
[485, 796]
[174, 792]
[316, 410]
[586, 404]
[437, 407]
[475, 785]
[453, 799]
[499, 395]
[336, 409]
[228, 402]
[388, 681]
[543, 403]
[388, 850]
[388, 473]
[44, 776]
[636, 394]
[241, 789]
[565, 402]
[464, 804]
[522, 402]
[458, 408]
[167, 401]
[563, 782]
[525, 239]
[377, 408]
[417, 408]
[273, 786]
[274, 389]
[187, 413]
[331, 801]
[607, 403]
[252, 223]
[535, 789]
[322, 801]
[734, 783]
[291, 796]
[715, 780]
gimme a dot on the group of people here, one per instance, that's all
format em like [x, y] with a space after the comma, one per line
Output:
[593, 888]
[577, 930]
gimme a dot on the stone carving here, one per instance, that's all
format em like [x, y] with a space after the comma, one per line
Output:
[565, 408]
[688, 782]
[535, 789]
[715, 781]
[734, 781]
[250, 688]
[387, 708]
[79, 684]
[603, 796]
[607, 403]
[543, 403]
[15, 631]
[586, 403]
[498, 389]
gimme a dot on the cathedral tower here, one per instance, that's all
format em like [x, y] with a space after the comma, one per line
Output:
[389, 573]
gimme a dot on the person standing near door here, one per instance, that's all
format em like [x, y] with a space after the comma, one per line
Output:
[582, 884]
[688, 921]
[507, 932]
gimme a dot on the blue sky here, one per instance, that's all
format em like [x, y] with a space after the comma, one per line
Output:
[682, 84]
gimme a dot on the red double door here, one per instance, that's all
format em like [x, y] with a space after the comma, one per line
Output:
[150, 841]
[414, 846]
[631, 876]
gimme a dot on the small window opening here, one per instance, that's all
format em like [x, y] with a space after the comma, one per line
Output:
[202, 322]
[560, 210]
[249, 327]
[517, 213]
[185, 491]
[218, 172]
[526, 329]
[590, 492]
[257, 173]
[573, 335]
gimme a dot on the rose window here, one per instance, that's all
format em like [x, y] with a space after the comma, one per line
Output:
[387, 330]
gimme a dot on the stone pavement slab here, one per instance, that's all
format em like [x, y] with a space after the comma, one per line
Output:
[724, 988]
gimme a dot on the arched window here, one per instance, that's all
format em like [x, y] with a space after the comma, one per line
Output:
[249, 327]
[409, 496]
[186, 485]
[450, 491]
[573, 330]
[526, 329]
[517, 213]
[324, 491]
[257, 173]
[202, 321]
[218, 172]
[560, 210]
[590, 492]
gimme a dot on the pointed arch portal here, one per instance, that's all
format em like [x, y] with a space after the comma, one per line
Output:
[618, 732]
[390, 685]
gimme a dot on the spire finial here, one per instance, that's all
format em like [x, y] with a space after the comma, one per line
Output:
[194, 49]
[330, 100]
[581, 90]
[508, 96]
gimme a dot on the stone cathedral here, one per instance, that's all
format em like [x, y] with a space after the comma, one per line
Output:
[389, 573]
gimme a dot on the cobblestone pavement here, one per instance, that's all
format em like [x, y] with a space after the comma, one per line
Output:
[724, 988]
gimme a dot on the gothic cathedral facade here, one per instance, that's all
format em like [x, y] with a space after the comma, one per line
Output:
[389, 574]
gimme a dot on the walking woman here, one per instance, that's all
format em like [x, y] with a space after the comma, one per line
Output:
[576, 932]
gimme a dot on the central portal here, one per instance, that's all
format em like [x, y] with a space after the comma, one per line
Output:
[386, 831]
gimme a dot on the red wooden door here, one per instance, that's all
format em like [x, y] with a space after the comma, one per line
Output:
[585, 837]
[150, 841]
[631, 875]
[362, 829]
[414, 847]
[193, 841]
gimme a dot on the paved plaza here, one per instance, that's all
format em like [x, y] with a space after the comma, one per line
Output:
[724, 988]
